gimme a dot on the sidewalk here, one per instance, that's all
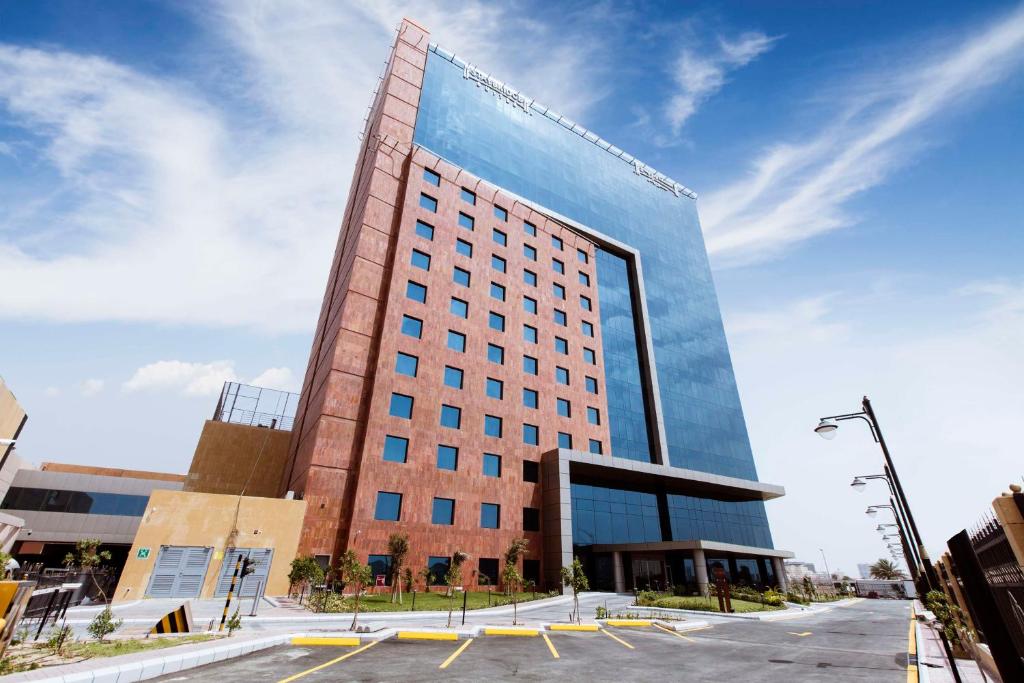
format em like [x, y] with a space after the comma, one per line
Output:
[933, 666]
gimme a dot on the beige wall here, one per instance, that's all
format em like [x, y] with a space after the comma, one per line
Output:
[205, 519]
[1013, 523]
[11, 414]
[227, 455]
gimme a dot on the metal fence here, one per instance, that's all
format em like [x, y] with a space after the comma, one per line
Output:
[256, 406]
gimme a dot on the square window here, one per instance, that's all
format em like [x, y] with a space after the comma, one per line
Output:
[529, 365]
[487, 571]
[495, 388]
[564, 440]
[452, 377]
[584, 279]
[581, 256]
[490, 516]
[500, 213]
[557, 266]
[531, 471]
[589, 356]
[420, 260]
[496, 321]
[556, 242]
[466, 221]
[431, 177]
[451, 417]
[443, 511]
[585, 303]
[389, 506]
[561, 345]
[595, 447]
[492, 465]
[529, 228]
[406, 364]
[593, 416]
[530, 277]
[463, 247]
[530, 398]
[559, 317]
[558, 290]
[416, 292]
[497, 291]
[531, 519]
[459, 307]
[492, 426]
[428, 202]
[529, 334]
[529, 252]
[531, 434]
[530, 305]
[468, 196]
[438, 568]
[461, 277]
[498, 263]
[447, 457]
[499, 237]
[562, 375]
[401, 406]
[587, 329]
[396, 448]
[412, 327]
[591, 383]
[425, 230]
[496, 354]
[456, 341]
[564, 407]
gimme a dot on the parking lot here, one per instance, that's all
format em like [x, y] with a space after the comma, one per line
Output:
[867, 641]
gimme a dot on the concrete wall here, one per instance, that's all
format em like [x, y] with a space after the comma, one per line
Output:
[11, 414]
[206, 519]
[227, 454]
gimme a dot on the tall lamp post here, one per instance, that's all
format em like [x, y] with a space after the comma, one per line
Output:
[903, 535]
[860, 483]
[827, 428]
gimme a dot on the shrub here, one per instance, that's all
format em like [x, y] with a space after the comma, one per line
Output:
[773, 597]
[103, 624]
[58, 638]
[602, 613]
[646, 598]
[235, 622]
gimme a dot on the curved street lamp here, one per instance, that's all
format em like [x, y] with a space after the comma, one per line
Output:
[827, 428]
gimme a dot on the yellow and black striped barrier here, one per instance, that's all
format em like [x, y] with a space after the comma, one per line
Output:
[178, 621]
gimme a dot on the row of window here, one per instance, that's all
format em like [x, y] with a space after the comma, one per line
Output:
[437, 565]
[389, 509]
[396, 449]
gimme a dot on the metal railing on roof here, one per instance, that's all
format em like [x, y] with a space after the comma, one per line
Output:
[256, 406]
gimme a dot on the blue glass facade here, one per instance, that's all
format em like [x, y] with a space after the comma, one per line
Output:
[742, 523]
[606, 515]
[535, 157]
[627, 410]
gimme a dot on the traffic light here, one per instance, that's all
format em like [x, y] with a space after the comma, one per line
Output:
[248, 567]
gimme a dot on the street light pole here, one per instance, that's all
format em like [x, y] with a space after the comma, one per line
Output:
[913, 562]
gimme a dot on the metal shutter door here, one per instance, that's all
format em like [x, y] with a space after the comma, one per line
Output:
[179, 572]
[261, 556]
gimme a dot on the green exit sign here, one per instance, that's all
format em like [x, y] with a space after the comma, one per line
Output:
[143, 554]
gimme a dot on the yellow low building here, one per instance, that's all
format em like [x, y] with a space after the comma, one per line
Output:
[188, 544]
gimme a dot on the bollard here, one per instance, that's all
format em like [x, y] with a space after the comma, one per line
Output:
[465, 596]
[413, 599]
[231, 591]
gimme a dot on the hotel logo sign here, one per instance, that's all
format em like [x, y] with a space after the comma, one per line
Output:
[497, 87]
[658, 179]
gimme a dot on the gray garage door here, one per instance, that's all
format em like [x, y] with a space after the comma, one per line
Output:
[261, 556]
[179, 572]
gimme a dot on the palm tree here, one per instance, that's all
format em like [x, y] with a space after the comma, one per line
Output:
[398, 548]
[428, 578]
[886, 571]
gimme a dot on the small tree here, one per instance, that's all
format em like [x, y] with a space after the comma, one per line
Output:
[453, 577]
[235, 622]
[428, 578]
[575, 578]
[407, 579]
[886, 570]
[510, 574]
[356, 574]
[515, 550]
[398, 548]
[305, 570]
[89, 558]
[103, 624]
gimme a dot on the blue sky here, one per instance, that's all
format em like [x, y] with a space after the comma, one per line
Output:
[172, 179]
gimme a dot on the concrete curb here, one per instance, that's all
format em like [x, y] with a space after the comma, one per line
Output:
[773, 615]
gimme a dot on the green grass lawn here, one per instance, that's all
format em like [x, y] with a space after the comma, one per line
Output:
[424, 601]
[111, 648]
[699, 603]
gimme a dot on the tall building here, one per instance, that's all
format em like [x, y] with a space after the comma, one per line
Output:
[521, 338]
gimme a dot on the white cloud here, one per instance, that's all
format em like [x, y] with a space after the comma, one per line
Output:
[51, 392]
[795, 191]
[189, 379]
[214, 199]
[91, 387]
[277, 378]
[700, 73]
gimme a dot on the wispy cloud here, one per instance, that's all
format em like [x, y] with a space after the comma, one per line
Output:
[91, 387]
[795, 191]
[213, 198]
[189, 379]
[700, 73]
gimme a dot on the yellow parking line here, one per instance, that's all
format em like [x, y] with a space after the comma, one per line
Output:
[451, 658]
[618, 639]
[327, 664]
[426, 635]
[572, 627]
[678, 635]
[554, 652]
[324, 640]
